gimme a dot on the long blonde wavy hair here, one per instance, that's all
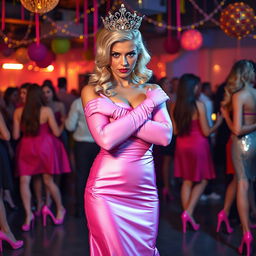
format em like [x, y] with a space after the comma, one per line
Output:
[241, 74]
[102, 77]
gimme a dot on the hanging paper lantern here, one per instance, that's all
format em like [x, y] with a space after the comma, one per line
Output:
[39, 6]
[237, 20]
[191, 40]
[60, 45]
[37, 52]
[89, 54]
[48, 59]
[172, 45]
[21, 55]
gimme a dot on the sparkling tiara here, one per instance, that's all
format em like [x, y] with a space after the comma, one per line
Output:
[122, 20]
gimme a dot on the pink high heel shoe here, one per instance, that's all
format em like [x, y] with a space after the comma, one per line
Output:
[46, 211]
[247, 239]
[15, 245]
[185, 217]
[222, 217]
[27, 227]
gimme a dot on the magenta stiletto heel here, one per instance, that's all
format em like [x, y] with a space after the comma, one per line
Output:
[222, 217]
[247, 240]
[46, 211]
[185, 217]
[27, 227]
[15, 245]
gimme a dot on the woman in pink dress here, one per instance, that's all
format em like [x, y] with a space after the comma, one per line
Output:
[39, 152]
[192, 161]
[125, 116]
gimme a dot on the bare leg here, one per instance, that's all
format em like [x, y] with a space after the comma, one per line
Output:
[37, 184]
[55, 193]
[4, 226]
[243, 204]
[26, 197]
[230, 195]
[196, 192]
[186, 189]
[8, 198]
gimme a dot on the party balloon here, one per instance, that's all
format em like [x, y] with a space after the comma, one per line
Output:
[171, 45]
[37, 52]
[60, 45]
[46, 61]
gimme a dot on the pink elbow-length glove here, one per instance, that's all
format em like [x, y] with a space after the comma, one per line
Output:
[108, 135]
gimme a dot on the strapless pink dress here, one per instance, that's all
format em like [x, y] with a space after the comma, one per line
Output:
[192, 159]
[40, 154]
[121, 199]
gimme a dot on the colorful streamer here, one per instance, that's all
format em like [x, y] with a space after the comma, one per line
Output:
[3, 15]
[37, 29]
[77, 11]
[22, 12]
[178, 18]
[95, 21]
[85, 25]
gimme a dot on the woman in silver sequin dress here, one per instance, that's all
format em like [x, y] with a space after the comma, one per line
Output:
[240, 100]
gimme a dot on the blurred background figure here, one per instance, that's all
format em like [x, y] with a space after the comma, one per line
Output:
[39, 152]
[192, 162]
[63, 95]
[85, 148]
[5, 183]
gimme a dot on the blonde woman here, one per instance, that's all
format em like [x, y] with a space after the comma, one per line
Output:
[125, 116]
[240, 100]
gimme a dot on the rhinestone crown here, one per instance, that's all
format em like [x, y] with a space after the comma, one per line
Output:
[122, 20]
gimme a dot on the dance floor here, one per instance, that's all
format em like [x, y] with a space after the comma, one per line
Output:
[71, 239]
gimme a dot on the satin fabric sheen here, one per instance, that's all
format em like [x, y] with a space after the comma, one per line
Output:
[40, 154]
[121, 201]
[192, 159]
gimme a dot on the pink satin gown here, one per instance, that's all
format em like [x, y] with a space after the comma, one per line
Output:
[121, 200]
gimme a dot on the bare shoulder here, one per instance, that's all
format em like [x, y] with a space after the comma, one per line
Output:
[46, 110]
[60, 105]
[18, 112]
[240, 96]
[151, 86]
[88, 93]
[200, 105]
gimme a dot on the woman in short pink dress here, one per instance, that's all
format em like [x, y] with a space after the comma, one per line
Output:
[192, 161]
[39, 152]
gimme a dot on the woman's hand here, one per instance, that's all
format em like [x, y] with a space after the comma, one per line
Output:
[101, 105]
[224, 112]
[158, 96]
[219, 120]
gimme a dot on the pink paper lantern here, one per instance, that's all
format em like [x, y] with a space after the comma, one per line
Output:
[49, 58]
[172, 45]
[37, 52]
[191, 40]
